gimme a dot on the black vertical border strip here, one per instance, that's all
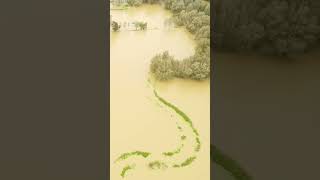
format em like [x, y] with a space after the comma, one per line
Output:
[54, 90]
[212, 67]
[107, 147]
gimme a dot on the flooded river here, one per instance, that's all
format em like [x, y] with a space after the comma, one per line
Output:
[138, 121]
[266, 114]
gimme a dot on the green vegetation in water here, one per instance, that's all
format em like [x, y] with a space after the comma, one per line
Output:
[119, 7]
[228, 164]
[183, 137]
[187, 162]
[198, 146]
[126, 169]
[178, 111]
[115, 26]
[135, 153]
[195, 17]
[172, 153]
[178, 126]
[134, 2]
[139, 25]
[157, 165]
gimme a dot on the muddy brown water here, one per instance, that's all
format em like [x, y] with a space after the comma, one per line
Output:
[266, 114]
[137, 121]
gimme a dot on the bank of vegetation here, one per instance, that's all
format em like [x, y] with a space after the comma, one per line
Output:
[157, 165]
[125, 156]
[126, 169]
[194, 15]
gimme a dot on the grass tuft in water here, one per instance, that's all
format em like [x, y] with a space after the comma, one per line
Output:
[198, 146]
[126, 169]
[183, 137]
[172, 153]
[187, 162]
[157, 165]
[135, 153]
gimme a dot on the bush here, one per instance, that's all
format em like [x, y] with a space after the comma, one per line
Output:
[162, 66]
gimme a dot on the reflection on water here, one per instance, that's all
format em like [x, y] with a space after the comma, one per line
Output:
[137, 120]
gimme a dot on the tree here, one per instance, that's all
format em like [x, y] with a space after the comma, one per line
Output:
[280, 27]
[290, 26]
[177, 6]
[140, 25]
[162, 66]
[115, 26]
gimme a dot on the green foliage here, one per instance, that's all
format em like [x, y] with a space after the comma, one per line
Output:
[177, 6]
[183, 137]
[134, 2]
[165, 67]
[126, 169]
[198, 146]
[178, 111]
[162, 66]
[187, 162]
[157, 165]
[115, 26]
[290, 26]
[280, 27]
[172, 153]
[140, 25]
[194, 16]
[135, 153]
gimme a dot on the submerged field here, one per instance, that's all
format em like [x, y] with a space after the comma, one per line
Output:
[139, 122]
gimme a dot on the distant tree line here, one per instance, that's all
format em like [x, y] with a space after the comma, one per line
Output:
[194, 15]
[139, 25]
[140, 2]
[276, 27]
[134, 2]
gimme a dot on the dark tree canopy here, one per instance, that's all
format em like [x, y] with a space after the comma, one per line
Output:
[280, 27]
[194, 15]
[115, 26]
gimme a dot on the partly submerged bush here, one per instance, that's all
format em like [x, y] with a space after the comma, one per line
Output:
[165, 67]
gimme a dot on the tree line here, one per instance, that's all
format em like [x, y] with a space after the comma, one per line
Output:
[194, 15]
[138, 25]
[273, 27]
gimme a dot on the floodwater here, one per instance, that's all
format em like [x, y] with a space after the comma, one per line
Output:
[266, 114]
[138, 122]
